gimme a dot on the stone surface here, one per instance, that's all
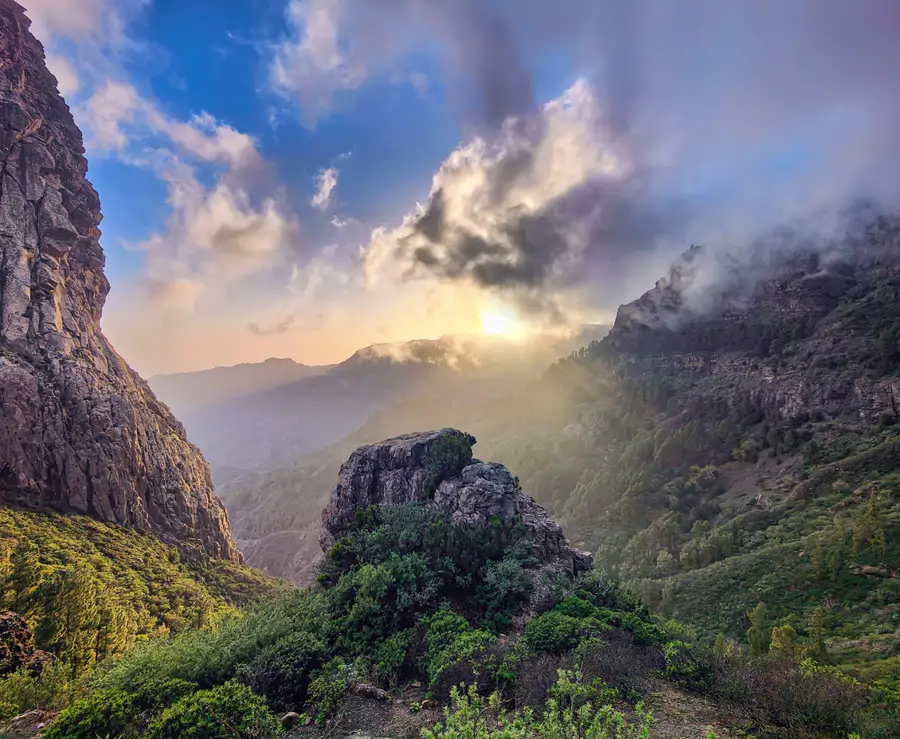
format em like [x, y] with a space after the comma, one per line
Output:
[17, 648]
[290, 720]
[78, 427]
[27, 725]
[436, 468]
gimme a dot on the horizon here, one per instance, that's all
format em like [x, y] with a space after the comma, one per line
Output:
[305, 178]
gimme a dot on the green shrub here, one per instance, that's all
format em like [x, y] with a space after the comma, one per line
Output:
[21, 691]
[390, 657]
[104, 713]
[231, 710]
[686, 665]
[554, 632]
[330, 686]
[281, 671]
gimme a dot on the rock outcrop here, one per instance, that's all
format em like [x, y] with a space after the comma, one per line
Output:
[17, 648]
[436, 468]
[78, 428]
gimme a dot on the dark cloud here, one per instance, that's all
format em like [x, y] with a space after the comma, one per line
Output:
[281, 327]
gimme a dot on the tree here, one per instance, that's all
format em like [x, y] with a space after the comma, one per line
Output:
[815, 631]
[784, 641]
[758, 634]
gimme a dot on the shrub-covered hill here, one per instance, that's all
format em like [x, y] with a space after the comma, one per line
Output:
[89, 589]
[429, 617]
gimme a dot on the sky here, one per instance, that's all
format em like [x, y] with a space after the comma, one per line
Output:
[302, 178]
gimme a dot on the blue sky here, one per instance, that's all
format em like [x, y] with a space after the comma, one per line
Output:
[304, 177]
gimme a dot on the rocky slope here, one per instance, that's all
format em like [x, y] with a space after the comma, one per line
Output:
[78, 428]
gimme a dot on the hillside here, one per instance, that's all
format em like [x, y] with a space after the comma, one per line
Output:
[711, 459]
[186, 391]
[449, 604]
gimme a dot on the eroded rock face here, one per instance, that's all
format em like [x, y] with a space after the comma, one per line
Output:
[436, 468]
[78, 427]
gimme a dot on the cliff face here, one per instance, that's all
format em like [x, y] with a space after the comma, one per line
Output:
[78, 427]
[804, 332]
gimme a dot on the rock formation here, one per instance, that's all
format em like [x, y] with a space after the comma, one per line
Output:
[436, 468]
[17, 648]
[78, 428]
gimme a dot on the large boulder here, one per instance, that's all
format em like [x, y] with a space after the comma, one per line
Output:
[436, 469]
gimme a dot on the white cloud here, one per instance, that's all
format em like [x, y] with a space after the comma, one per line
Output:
[66, 76]
[215, 234]
[326, 181]
[311, 63]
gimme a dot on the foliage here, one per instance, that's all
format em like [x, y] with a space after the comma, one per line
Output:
[687, 666]
[330, 686]
[567, 715]
[52, 690]
[91, 589]
[231, 710]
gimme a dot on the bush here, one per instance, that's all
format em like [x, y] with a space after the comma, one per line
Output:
[456, 652]
[115, 712]
[231, 710]
[281, 671]
[554, 632]
[112, 713]
[687, 665]
[21, 691]
[390, 660]
[330, 687]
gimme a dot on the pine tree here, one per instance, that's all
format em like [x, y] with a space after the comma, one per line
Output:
[815, 630]
[758, 634]
[784, 641]
[20, 587]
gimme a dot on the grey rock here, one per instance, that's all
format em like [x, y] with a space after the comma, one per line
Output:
[290, 720]
[436, 468]
[79, 429]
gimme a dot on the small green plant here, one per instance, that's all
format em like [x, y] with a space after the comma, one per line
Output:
[686, 665]
[330, 686]
[554, 632]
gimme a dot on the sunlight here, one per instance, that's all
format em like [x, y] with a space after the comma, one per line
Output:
[499, 323]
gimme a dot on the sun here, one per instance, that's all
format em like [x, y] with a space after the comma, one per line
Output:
[499, 323]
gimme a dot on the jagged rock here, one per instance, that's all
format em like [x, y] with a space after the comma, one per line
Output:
[78, 428]
[436, 468]
[365, 690]
[17, 648]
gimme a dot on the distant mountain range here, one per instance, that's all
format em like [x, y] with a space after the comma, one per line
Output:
[254, 417]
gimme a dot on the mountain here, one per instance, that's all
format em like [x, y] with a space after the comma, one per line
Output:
[109, 529]
[78, 427]
[256, 429]
[186, 391]
[733, 440]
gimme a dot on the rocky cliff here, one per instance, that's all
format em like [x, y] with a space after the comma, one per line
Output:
[801, 329]
[78, 428]
[436, 468]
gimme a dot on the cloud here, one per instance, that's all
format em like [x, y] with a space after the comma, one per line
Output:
[66, 76]
[326, 181]
[519, 214]
[722, 120]
[215, 233]
[281, 327]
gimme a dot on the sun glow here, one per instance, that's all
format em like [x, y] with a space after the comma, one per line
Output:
[500, 322]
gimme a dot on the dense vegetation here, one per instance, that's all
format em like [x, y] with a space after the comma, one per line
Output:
[517, 651]
[89, 590]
